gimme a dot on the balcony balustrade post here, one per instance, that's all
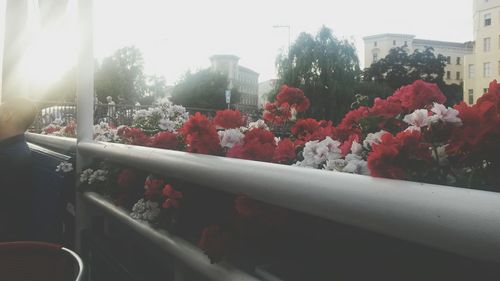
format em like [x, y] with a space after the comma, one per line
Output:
[85, 105]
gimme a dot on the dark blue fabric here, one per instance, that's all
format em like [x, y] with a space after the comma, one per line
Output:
[16, 186]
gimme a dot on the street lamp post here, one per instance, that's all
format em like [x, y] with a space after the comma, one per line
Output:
[288, 27]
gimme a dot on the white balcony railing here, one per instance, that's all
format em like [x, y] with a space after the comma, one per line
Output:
[462, 221]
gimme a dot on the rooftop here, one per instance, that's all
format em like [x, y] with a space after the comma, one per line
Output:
[442, 43]
[398, 35]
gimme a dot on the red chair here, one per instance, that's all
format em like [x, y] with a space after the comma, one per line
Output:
[38, 261]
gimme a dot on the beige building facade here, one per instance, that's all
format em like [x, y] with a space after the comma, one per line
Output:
[245, 80]
[483, 65]
[378, 46]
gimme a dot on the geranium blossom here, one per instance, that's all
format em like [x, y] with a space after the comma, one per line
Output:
[228, 119]
[316, 153]
[419, 118]
[230, 138]
[294, 97]
[446, 115]
[64, 167]
[145, 211]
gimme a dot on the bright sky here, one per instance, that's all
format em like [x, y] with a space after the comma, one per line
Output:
[176, 36]
[179, 35]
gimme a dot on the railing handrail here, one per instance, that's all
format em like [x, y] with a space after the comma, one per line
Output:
[58, 143]
[184, 251]
[457, 220]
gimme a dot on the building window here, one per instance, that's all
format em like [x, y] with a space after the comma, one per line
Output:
[471, 71]
[487, 19]
[458, 60]
[448, 60]
[458, 75]
[487, 44]
[471, 96]
[486, 69]
[448, 75]
[375, 57]
[394, 42]
[375, 44]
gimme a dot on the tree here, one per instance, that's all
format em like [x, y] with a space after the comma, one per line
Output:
[121, 74]
[399, 68]
[325, 68]
[203, 89]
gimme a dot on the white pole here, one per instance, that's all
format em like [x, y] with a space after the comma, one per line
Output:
[3, 6]
[85, 104]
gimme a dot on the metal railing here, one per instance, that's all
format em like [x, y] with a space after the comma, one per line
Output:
[119, 114]
[457, 220]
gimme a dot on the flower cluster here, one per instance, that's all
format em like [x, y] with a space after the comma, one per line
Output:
[90, 176]
[410, 135]
[58, 129]
[289, 102]
[164, 116]
[64, 167]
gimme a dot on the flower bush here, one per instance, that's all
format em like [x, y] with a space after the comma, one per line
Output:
[410, 135]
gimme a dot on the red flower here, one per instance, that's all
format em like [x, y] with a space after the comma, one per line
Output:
[285, 152]
[276, 113]
[477, 139]
[126, 178]
[418, 95]
[294, 97]
[201, 135]
[260, 135]
[165, 140]
[395, 156]
[229, 119]
[134, 136]
[258, 144]
[304, 128]
[153, 187]
[214, 242]
[172, 197]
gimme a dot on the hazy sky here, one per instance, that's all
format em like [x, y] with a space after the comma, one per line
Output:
[179, 35]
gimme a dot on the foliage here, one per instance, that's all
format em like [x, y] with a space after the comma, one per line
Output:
[122, 74]
[368, 91]
[399, 68]
[203, 89]
[325, 68]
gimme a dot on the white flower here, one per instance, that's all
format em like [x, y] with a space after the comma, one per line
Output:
[316, 153]
[261, 124]
[419, 118]
[373, 138]
[98, 176]
[143, 113]
[356, 148]
[441, 155]
[447, 115]
[65, 167]
[85, 175]
[356, 165]
[412, 128]
[231, 137]
[167, 125]
[145, 210]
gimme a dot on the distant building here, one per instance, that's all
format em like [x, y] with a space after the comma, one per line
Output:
[243, 79]
[483, 65]
[264, 89]
[378, 46]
